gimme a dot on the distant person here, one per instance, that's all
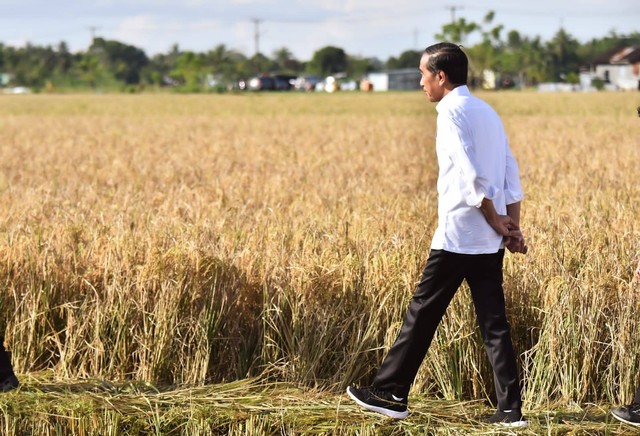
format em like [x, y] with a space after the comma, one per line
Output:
[631, 413]
[479, 197]
[8, 379]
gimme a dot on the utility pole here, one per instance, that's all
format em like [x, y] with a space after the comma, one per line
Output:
[93, 29]
[453, 9]
[256, 34]
[256, 43]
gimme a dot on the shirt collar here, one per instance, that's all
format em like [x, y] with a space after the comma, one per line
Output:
[458, 91]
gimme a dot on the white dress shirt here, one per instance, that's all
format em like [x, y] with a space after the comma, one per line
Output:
[475, 162]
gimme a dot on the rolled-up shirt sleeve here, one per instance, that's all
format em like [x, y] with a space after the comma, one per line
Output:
[512, 189]
[462, 152]
[471, 148]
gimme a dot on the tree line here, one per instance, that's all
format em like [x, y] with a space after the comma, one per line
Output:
[112, 65]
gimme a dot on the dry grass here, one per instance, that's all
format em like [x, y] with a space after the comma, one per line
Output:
[190, 240]
[251, 406]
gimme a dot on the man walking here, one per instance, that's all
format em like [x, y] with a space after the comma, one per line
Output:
[479, 196]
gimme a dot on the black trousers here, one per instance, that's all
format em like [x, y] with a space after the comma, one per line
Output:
[441, 278]
[5, 362]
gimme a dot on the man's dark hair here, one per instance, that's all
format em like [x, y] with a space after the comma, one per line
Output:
[449, 58]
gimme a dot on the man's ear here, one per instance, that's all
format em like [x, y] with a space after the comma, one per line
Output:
[442, 77]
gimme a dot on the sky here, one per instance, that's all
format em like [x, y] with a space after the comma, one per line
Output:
[367, 28]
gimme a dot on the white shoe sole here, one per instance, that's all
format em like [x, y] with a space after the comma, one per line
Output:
[382, 410]
[637, 424]
[517, 424]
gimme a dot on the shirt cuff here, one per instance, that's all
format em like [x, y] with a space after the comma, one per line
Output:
[475, 200]
[513, 196]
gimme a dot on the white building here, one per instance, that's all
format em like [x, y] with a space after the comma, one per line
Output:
[622, 69]
[404, 79]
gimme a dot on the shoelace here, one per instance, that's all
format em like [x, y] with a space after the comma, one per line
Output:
[377, 392]
[635, 408]
[382, 394]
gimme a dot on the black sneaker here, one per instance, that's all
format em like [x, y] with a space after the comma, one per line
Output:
[9, 383]
[511, 418]
[379, 401]
[629, 414]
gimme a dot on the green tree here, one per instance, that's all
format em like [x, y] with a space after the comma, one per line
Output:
[407, 59]
[262, 64]
[458, 31]
[328, 60]
[285, 62]
[190, 71]
[124, 61]
[486, 54]
[158, 70]
[358, 67]
[240, 67]
[91, 72]
[524, 58]
[33, 66]
[563, 55]
[229, 66]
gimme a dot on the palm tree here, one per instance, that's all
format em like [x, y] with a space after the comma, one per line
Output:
[563, 52]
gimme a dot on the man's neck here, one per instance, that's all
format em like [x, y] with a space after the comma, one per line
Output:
[448, 87]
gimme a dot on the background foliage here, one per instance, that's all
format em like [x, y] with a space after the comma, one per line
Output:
[112, 65]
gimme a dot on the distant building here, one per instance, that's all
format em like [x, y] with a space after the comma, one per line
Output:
[404, 79]
[558, 87]
[618, 69]
[489, 79]
[621, 68]
[5, 78]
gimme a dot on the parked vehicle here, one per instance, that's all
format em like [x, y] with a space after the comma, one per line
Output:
[307, 83]
[262, 83]
[284, 82]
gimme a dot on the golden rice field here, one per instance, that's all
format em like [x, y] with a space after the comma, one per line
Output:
[228, 264]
